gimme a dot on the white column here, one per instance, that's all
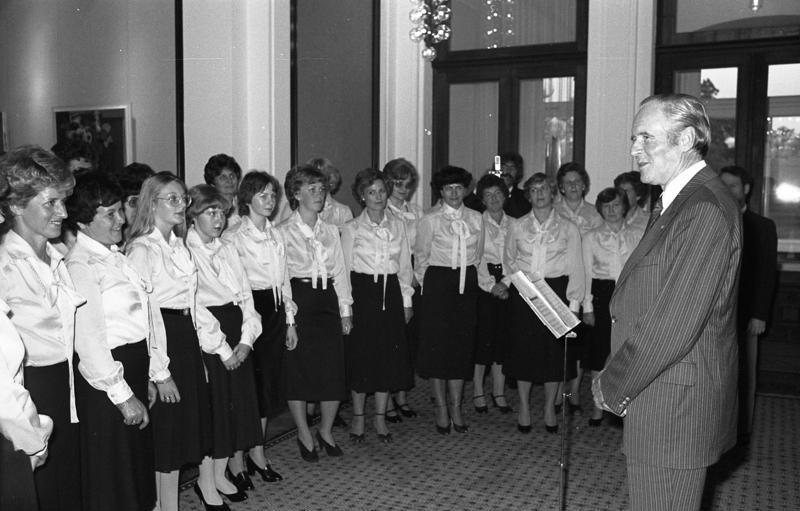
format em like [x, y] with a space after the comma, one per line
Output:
[619, 75]
[405, 96]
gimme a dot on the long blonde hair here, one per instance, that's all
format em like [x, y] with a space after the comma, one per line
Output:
[145, 220]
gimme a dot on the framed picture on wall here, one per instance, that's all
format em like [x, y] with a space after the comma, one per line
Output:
[105, 129]
[4, 148]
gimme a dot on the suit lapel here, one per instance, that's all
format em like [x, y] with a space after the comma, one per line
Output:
[657, 230]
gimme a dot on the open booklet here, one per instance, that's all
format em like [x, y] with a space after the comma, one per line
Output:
[542, 300]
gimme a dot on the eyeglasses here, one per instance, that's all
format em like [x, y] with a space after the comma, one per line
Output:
[132, 201]
[176, 201]
[214, 213]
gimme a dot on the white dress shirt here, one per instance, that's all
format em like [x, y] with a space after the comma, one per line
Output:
[674, 187]
[409, 213]
[169, 270]
[43, 300]
[316, 253]
[19, 422]
[335, 213]
[604, 254]
[637, 218]
[546, 250]
[585, 217]
[379, 249]
[263, 256]
[493, 244]
[451, 238]
[222, 280]
[118, 312]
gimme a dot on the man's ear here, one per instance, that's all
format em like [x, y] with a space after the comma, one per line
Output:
[746, 190]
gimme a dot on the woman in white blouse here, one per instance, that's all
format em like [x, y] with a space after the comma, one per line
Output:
[24, 432]
[318, 284]
[181, 417]
[605, 250]
[35, 284]
[541, 244]
[377, 256]
[119, 351]
[333, 212]
[263, 255]
[403, 177]
[493, 311]
[447, 251]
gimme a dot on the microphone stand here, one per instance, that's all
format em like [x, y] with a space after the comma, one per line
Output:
[562, 465]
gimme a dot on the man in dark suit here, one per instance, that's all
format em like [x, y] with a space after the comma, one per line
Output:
[673, 363]
[757, 280]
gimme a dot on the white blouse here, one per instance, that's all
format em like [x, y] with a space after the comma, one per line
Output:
[20, 423]
[379, 249]
[493, 244]
[637, 219]
[448, 237]
[118, 312]
[546, 250]
[585, 217]
[316, 253]
[222, 280]
[605, 253]
[335, 213]
[169, 270]
[43, 301]
[263, 256]
[409, 213]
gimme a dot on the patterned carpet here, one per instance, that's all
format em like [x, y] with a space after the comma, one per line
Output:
[494, 467]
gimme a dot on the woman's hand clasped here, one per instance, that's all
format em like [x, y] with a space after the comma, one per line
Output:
[232, 362]
[168, 391]
[291, 337]
[241, 351]
[408, 312]
[134, 413]
[347, 324]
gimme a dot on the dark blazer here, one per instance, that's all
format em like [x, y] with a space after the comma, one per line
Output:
[517, 206]
[673, 362]
[759, 267]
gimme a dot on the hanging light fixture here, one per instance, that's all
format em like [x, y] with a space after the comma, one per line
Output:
[755, 5]
[431, 19]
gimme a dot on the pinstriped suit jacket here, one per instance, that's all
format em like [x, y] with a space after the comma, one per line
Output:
[673, 362]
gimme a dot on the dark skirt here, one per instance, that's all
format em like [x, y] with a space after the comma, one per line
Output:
[534, 355]
[268, 355]
[447, 325]
[116, 460]
[182, 431]
[236, 425]
[314, 370]
[493, 319]
[598, 345]
[58, 481]
[17, 490]
[376, 351]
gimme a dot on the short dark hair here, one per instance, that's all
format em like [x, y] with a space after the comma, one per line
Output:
[216, 164]
[739, 172]
[573, 166]
[539, 177]
[401, 169]
[253, 183]
[633, 178]
[298, 176]
[607, 195]
[449, 175]
[204, 197]
[684, 111]
[92, 190]
[511, 157]
[27, 171]
[365, 179]
[132, 176]
[489, 181]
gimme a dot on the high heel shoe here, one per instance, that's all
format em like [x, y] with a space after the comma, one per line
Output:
[551, 429]
[502, 408]
[459, 428]
[355, 437]
[386, 438]
[241, 480]
[524, 429]
[393, 417]
[339, 422]
[239, 496]
[442, 430]
[405, 410]
[266, 473]
[480, 409]
[596, 422]
[310, 455]
[334, 451]
[206, 505]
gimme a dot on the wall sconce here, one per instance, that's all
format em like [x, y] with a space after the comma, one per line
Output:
[431, 19]
[755, 5]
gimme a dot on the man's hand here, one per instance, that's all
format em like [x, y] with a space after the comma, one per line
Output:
[134, 413]
[599, 400]
[756, 326]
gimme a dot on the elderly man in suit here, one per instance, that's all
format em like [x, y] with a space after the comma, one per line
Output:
[756, 289]
[673, 364]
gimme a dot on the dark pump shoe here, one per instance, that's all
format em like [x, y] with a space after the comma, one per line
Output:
[266, 473]
[206, 505]
[241, 480]
[503, 408]
[405, 410]
[333, 451]
[309, 455]
[480, 409]
[524, 429]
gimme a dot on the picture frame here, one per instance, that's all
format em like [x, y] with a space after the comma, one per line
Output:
[107, 129]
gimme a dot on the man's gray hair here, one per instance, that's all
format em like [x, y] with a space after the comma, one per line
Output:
[684, 111]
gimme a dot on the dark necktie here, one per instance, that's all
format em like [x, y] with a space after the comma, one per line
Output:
[654, 213]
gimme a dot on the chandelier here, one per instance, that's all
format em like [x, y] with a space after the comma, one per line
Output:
[431, 19]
